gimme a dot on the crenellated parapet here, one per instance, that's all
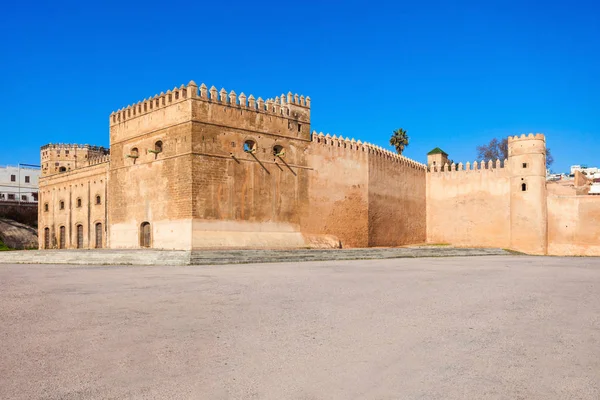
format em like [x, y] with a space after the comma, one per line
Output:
[282, 106]
[71, 146]
[99, 160]
[352, 145]
[467, 167]
[536, 136]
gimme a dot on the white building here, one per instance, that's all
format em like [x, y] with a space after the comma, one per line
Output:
[587, 170]
[19, 183]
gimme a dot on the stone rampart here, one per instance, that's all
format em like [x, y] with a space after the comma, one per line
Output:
[353, 195]
[574, 225]
[469, 204]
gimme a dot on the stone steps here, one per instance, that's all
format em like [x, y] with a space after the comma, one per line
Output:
[220, 257]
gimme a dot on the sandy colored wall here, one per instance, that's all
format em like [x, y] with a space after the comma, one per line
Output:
[248, 200]
[397, 203]
[86, 184]
[338, 191]
[154, 188]
[574, 225]
[469, 207]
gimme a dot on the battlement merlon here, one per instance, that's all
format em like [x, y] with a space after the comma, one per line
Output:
[531, 136]
[71, 146]
[352, 145]
[290, 106]
[489, 165]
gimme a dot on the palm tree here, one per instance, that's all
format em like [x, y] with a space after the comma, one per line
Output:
[399, 140]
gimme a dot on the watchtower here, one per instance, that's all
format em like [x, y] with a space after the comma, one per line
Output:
[437, 157]
[528, 208]
[57, 158]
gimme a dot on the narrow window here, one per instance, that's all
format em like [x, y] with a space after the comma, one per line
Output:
[26, 179]
[158, 147]
[23, 197]
[62, 205]
[98, 200]
[523, 187]
[45, 207]
[13, 178]
[524, 165]
[299, 127]
[78, 203]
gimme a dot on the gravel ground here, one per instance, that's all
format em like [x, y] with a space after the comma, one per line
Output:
[490, 327]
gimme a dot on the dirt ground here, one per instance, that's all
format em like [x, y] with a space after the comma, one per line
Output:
[492, 327]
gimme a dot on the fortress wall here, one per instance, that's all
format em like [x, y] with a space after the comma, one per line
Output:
[84, 183]
[397, 204]
[338, 190]
[469, 207]
[244, 199]
[574, 225]
[154, 188]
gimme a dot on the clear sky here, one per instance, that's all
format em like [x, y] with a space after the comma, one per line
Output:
[453, 74]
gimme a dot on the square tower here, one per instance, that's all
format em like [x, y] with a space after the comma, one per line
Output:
[437, 158]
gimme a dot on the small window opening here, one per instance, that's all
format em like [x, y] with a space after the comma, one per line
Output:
[78, 203]
[13, 178]
[26, 179]
[133, 153]
[278, 151]
[11, 196]
[299, 127]
[62, 205]
[232, 144]
[98, 200]
[23, 197]
[158, 147]
[249, 146]
[524, 165]
[46, 207]
[523, 187]
[62, 169]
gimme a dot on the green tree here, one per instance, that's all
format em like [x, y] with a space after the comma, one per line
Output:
[498, 150]
[399, 140]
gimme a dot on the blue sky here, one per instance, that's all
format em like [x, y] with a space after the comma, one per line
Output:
[453, 74]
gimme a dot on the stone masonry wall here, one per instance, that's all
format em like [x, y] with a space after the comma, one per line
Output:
[574, 225]
[397, 203]
[338, 190]
[364, 195]
[469, 207]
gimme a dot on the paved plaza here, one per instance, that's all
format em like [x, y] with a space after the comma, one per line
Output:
[489, 327]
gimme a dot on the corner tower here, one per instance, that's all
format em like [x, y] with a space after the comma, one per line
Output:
[528, 208]
[57, 158]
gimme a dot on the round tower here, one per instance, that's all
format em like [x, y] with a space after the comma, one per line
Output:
[528, 209]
